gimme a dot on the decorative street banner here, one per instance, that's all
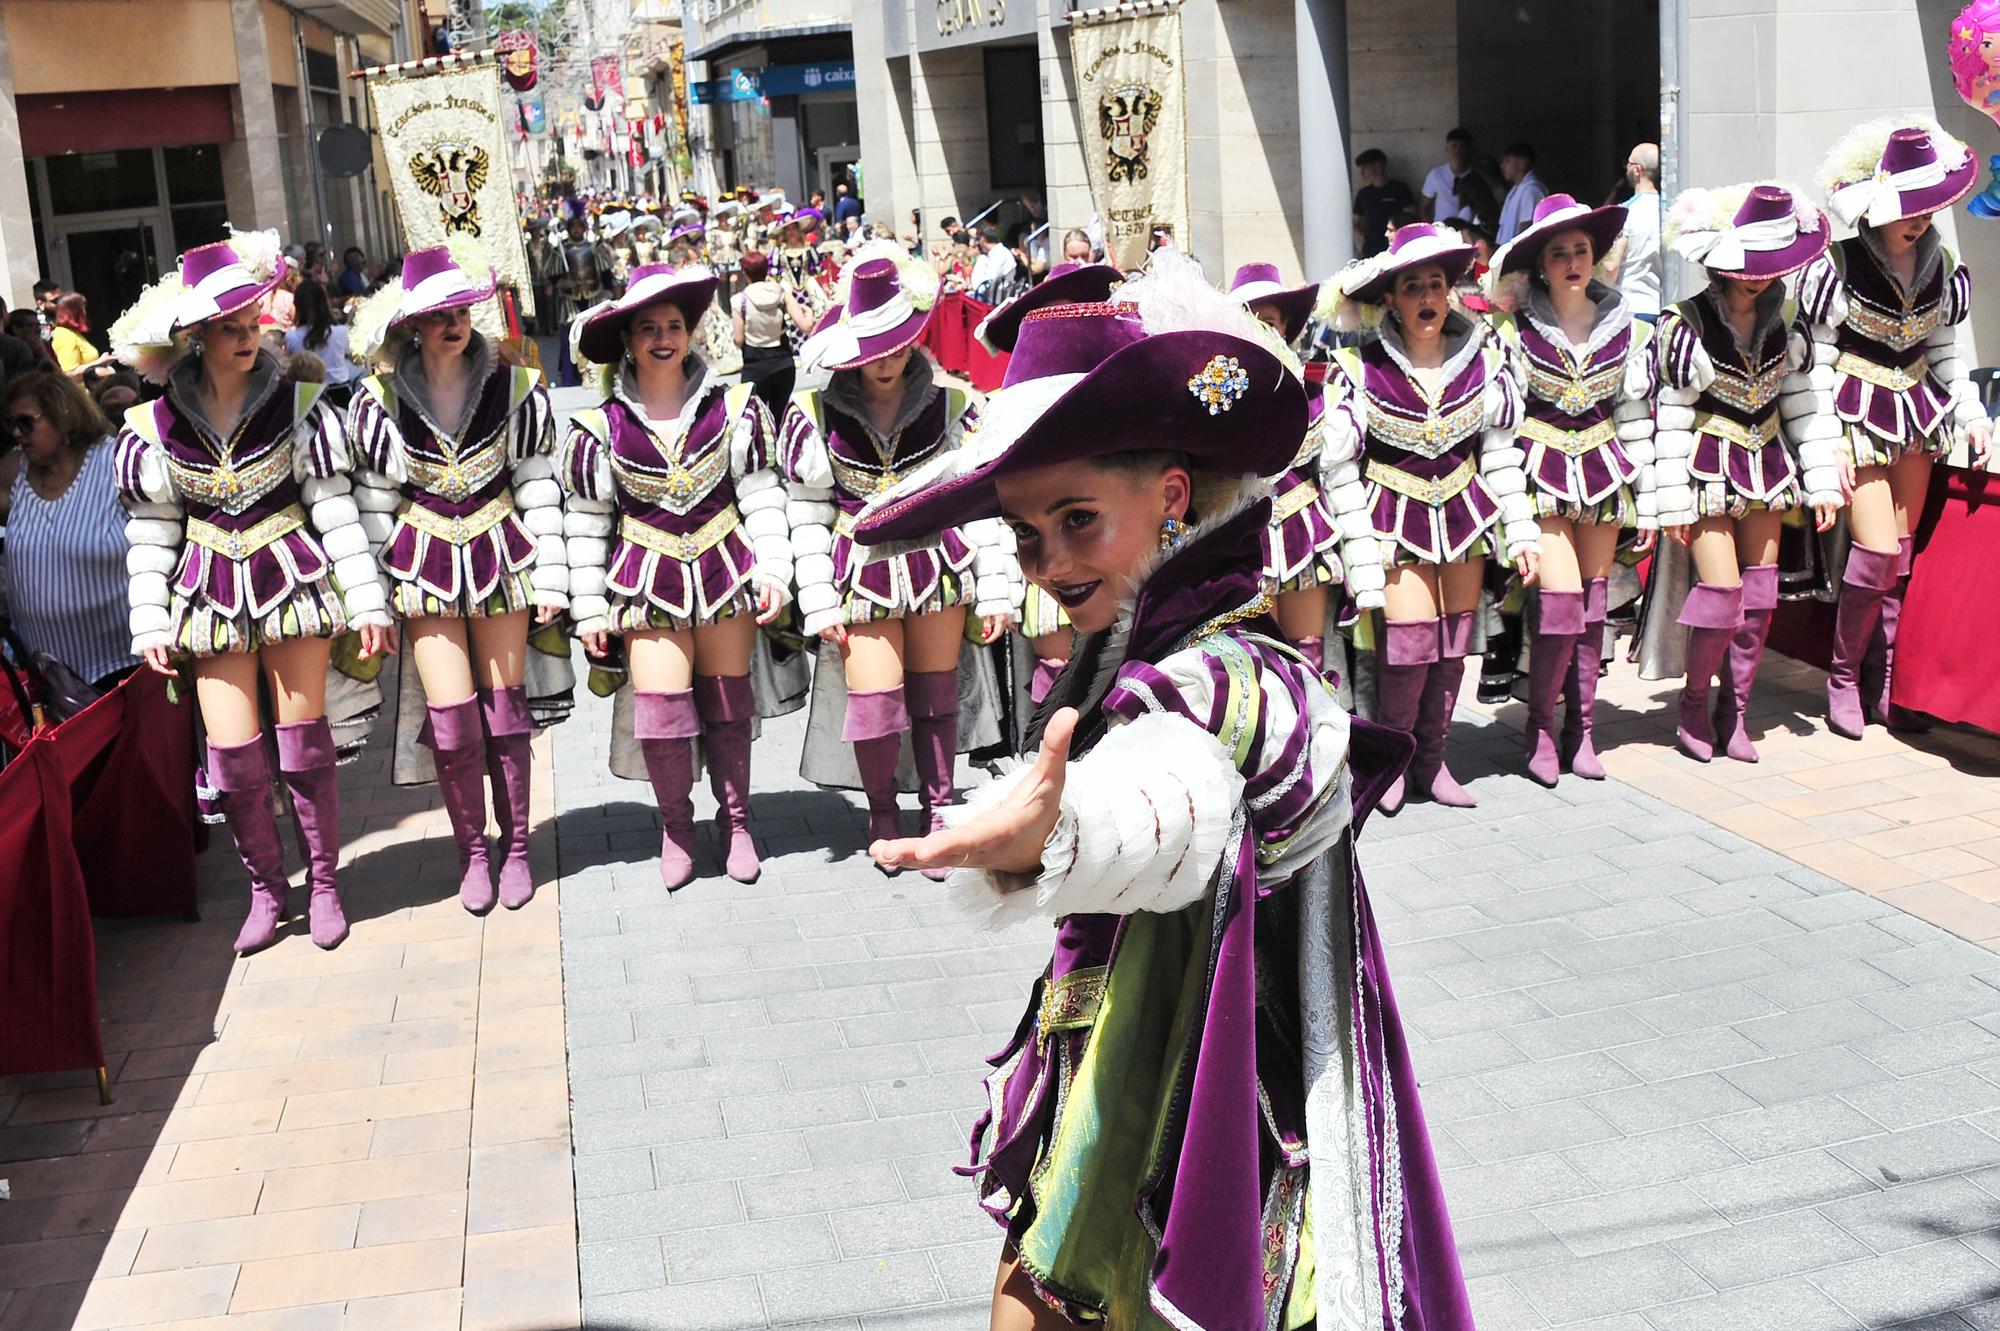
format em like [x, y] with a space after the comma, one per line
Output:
[1132, 104]
[520, 59]
[445, 140]
[605, 80]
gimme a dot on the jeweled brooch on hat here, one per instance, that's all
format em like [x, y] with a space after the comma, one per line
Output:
[1221, 384]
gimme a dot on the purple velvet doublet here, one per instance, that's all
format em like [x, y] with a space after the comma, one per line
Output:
[1302, 542]
[1567, 432]
[1883, 380]
[1737, 441]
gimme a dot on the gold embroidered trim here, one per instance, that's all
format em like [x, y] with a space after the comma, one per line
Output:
[459, 477]
[1893, 378]
[1894, 328]
[684, 548]
[224, 485]
[458, 531]
[1071, 1003]
[1419, 489]
[243, 544]
[1745, 436]
[1295, 500]
[1432, 435]
[1573, 393]
[1748, 392]
[1261, 605]
[1575, 443]
[681, 485]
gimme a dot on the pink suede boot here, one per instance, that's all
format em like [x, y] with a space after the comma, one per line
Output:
[1579, 752]
[874, 726]
[665, 725]
[1427, 769]
[1871, 576]
[1550, 652]
[1712, 615]
[1409, 653]
[242, 777]
[1739, 665]
[305, 756]
[510, 728]
[933, 705]
[726, 707]
[456, 741]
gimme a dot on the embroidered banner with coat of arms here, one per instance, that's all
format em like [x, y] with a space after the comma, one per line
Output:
[1132, 107]
[444, 137]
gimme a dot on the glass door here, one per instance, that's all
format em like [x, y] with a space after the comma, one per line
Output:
[109, 260]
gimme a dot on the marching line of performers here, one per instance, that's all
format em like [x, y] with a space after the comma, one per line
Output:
[704, 546]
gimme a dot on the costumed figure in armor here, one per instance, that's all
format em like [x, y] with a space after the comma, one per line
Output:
[248, 557]
[614, 233]
[1889, 300]
[1044, 624]
[1301, 548]
[453, 448]
[587, 272]
[645, 239]
[1746, 404]
[763, 220]
[898, 622]
[1426, 414]
[1587, 369]
[679, 545]
[724, 245]
[1207, 1118]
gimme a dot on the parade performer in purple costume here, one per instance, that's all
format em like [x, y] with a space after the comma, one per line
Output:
[1207, 1119]
[1746, 400]
[679, 544]
[1302, 545]
[899, 620]
[459, 496]
[1890, 300]
[1586, 434]
[248, 555]
[1043, 621]
[1429, 409]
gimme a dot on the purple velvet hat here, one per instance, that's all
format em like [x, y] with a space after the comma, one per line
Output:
[1915, 175]
[1412, 246]
[432, 282]
[215, 281]
[683, 232]
[1086, 381]
[1554, 215]
[877, 319]
[1260, 284]
[1066, 284]
[1766, 239]
[602, 338]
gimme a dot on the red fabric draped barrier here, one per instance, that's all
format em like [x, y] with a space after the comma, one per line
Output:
[94, 812]
[1948, 639]
[950, 339]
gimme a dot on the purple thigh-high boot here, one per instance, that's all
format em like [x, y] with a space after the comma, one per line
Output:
[510, 728]
[933, 704]
[1739, 669]
[875, 724]
[1586, 663]
[1409, 652]
[1712, 615]
[242, 777]
[1314, 650]
[1871, 575]
[726, 707]
[1427, 768]
[665, 725]
[1043, 679]
[1878, 669]
[1558, 628]
[457, 738]
[305, 756]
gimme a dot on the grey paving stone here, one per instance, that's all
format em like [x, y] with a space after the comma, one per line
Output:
[1615, 1282]
[1521, 1132]
[1510, 1185]
[717, 1305]
[1935, 1002]
[1666, 1104]
[721, 1158]
[609, 1173]
[661, 1211]
[1793, 1244]
[1840, 1022]
[829, 1186]
[1464, 1055]
[1635, 1219]
[1498, 1306]
[1684, 1055]
[1676, 1013]
[1807, 986]
[711, 1083]
[1916, 1282]
[1946, 1093]
[1793, 1304]
[1783, 1183]
[871, 1231]
[747, 1249]
[619, 1266]
[1922, 1153]
[795, 1109]
[1504, 1241]
[1557, 1037]
[898, 1280]
[1567, 1078]
[1943, 958]
[1914, 1213]
[1797, 1076]
[1798, 1125]
[1652, 1157]
[692, 1121]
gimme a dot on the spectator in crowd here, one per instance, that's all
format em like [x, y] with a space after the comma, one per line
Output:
[845, 205]
[758, 317]
[953, 233]
[16, 355]
[1443, 201]
[26, 327]
[315, 333]
[1378, 200]
[1077, 247]
[115, 393]
[545, 269]
[75, 352]
[353, 275]
[315, 264]
[1634, 261]
[66, 547]
[47, 293]
[1524, 189]
[993, 273]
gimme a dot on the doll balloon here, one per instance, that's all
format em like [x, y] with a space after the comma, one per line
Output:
[1974, 49]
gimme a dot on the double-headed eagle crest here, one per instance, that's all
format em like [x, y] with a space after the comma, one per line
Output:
[453, 174]
[1125, 116]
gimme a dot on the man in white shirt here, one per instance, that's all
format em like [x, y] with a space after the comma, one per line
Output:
[1635, 262]
[1441, 202]
[1525, 190]
[994, 268]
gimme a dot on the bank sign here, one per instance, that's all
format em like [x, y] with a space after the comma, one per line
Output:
[943, 23]
[749, 85]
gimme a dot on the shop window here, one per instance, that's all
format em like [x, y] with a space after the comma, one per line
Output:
[194, 174]
[101, 182]
[1014, 117]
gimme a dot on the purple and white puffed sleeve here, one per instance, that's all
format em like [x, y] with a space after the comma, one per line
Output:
[760, 495]
[1343, 428]
[1502, 462]
[323, 465]
[1805, 407]
[1947, 362]
[1683, 369]
[379, 469]
[538, 496]
[1632, 416]
[810, 514]
[588, 511]
[155, 531]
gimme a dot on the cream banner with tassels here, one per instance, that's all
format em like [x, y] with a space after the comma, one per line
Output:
[443, 134]
[1132, 105]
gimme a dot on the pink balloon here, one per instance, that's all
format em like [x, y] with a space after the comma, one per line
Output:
[1975, 56]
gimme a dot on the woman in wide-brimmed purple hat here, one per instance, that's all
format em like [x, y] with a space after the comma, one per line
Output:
[797, 266]
[1755, 439]
[1206, 1115]
[1043, 621]
[1302, 544]
[1586, 437]
[1891, 296]
[458, 489]
[248, 556]
[890, 674]
[679, 546]
[1425, 475]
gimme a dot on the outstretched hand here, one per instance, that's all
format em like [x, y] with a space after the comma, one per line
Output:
[1004, 837]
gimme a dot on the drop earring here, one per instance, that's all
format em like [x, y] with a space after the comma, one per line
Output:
[1173, 534]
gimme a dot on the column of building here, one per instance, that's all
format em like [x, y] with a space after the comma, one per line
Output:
[17, 223]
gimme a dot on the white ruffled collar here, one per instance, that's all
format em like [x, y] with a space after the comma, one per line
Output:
[1462, 340]
[1612, 317]
[843, 394]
